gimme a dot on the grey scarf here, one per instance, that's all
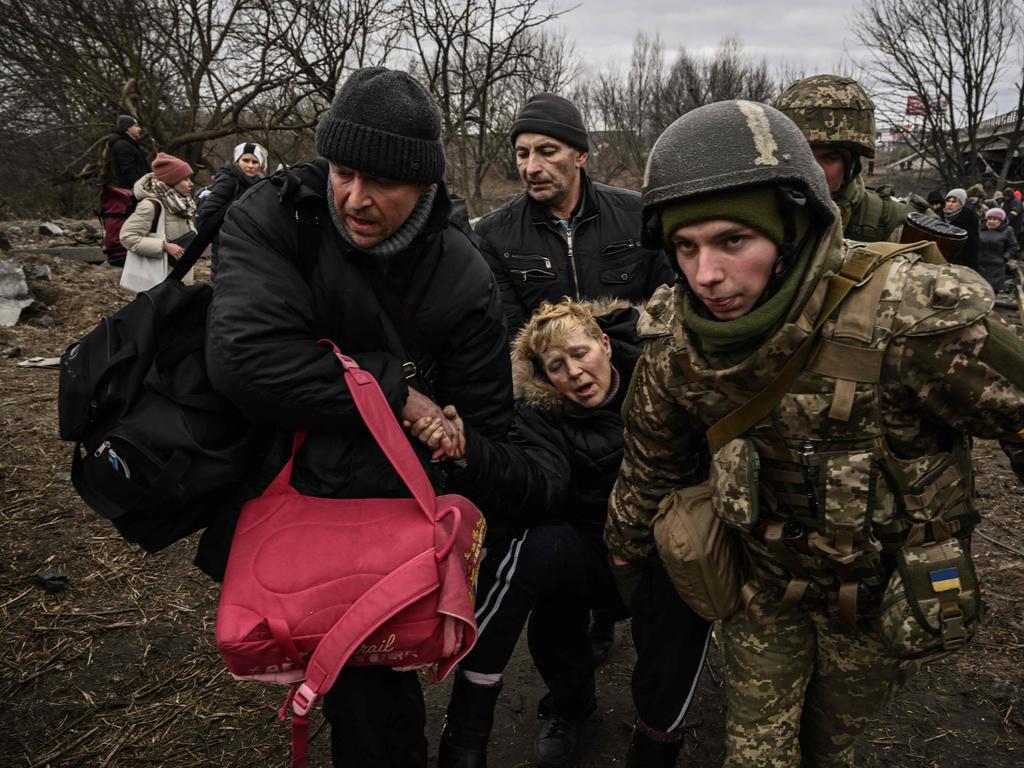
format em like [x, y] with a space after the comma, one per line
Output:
[398, 239]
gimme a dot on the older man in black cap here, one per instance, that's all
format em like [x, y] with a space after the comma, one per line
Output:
[357, 247]
[565, 235]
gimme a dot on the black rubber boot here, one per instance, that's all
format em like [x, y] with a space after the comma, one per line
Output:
[557, 741]
[559, 736]
[653, 749]
[467, 724]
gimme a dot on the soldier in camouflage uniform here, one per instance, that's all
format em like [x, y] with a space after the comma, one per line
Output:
[838, 119]
[857, 474]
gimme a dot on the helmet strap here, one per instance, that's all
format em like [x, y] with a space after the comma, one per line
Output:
[852, 170]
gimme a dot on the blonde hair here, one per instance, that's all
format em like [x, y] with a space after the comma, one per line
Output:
[552, 324]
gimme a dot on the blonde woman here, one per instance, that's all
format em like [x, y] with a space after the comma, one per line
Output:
[248, 165]
[546, 492]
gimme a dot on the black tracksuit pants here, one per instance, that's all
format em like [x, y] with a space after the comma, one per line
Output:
[553, 575]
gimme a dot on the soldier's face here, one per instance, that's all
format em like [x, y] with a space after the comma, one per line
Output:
[580, 368]
[550, 169]
[371, 208]
[727, 264]
[832, 162]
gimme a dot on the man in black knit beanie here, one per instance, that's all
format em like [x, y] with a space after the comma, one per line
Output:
[357, 246]
[565, 235]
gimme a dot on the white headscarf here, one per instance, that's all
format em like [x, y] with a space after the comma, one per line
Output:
[251, 148]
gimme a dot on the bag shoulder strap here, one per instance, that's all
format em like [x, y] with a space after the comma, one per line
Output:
[422, 362]
[413, 344]
[857, 266]
[195, 249]
[158, 211]
[396, 591]
[381, 422]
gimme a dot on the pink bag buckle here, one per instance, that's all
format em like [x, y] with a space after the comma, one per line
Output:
[303, 700]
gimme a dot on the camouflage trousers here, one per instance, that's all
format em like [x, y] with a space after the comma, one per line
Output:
[802, 686]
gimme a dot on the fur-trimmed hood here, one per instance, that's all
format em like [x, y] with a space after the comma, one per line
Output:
[617, 318]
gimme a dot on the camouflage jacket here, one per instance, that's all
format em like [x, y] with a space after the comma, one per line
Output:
[873, 430]
[870, 215]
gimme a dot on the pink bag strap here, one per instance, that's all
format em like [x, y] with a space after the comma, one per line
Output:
[373, 407]
[392, 594]
[379, 419]
[283, 482]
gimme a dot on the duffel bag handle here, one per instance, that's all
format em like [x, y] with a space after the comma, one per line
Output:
[373, 407]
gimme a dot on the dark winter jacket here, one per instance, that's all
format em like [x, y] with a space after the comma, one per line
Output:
[995, 247]
[227, 187]
[127, 161]
[534, 259]
[273, 301]
[966, 219]
[1014, 214]
[561, 459]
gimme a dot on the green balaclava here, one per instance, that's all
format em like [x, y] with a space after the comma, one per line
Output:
[732, 341]
[755, 206]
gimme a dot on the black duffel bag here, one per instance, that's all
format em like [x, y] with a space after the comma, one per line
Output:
[157, 451]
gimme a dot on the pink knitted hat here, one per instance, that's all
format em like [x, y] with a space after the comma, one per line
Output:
[169, 169]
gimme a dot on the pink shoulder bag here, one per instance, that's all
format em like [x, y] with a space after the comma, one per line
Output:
[313, 584]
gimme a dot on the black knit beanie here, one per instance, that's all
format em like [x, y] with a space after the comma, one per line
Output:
[552, 116]
[124, 122]
[385, 123]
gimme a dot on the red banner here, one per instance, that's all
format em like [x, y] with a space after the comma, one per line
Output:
[915, 106]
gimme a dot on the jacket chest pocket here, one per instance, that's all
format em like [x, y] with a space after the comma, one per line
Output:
[620, 261]
[528, 266]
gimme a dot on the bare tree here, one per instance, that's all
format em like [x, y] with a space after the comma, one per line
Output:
[949, 55]
[467, 51]
[187, 69]
[635, 107]
[320, 40]
[628, 109]
[191, 71]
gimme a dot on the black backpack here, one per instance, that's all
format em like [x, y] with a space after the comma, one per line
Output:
[157, 451]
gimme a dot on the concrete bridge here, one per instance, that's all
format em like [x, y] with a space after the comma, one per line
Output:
[993, 136]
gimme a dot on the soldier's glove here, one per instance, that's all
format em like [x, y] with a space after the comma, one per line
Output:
[627, 579]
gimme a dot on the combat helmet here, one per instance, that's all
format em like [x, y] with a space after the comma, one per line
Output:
[727, 145]
[830, 109]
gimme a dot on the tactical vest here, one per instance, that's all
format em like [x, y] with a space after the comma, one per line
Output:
[874, 218]
[822, 503]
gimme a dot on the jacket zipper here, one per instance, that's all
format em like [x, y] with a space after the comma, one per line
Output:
[572, 262]
[570, 233]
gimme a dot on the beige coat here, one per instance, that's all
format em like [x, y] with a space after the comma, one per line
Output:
[137, 232]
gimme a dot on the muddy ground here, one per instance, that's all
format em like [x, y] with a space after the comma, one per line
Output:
[119, 668]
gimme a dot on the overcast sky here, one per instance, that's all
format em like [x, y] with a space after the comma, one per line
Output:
[800, 36]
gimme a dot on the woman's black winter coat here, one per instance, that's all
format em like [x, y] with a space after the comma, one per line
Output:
[561, 459]
[229, 185]
[995, 248]
[966, 219]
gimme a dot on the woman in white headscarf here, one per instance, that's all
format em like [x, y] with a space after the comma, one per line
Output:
[248, 166]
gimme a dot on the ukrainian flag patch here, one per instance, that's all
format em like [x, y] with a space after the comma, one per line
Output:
[945, 579]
